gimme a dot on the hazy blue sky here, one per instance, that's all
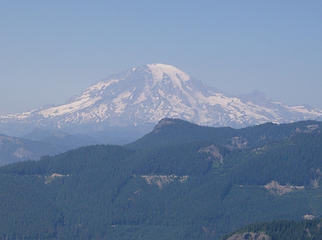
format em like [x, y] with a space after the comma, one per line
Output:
[52, 50]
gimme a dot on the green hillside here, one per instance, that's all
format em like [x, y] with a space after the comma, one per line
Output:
[280, 230]
[181, 181]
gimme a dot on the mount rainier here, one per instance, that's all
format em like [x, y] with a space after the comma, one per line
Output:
[143, 95]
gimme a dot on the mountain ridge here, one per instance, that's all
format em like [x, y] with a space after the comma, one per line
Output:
[141, 96]
[199, 187]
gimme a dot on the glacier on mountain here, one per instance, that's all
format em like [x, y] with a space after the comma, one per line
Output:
[146, 94]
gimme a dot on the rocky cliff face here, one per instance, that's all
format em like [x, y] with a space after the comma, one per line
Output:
[250, 236]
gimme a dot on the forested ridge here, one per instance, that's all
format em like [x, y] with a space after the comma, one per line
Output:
[181, 181]
[282, 230]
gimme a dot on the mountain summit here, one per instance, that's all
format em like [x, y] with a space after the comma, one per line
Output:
[144, 95]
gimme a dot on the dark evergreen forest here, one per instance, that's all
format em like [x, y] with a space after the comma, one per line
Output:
[285, 230]
[181, 181]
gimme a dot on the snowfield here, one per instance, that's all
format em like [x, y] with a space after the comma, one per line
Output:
[146, 94]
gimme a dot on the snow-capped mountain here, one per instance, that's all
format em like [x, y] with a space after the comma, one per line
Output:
[146, 94]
